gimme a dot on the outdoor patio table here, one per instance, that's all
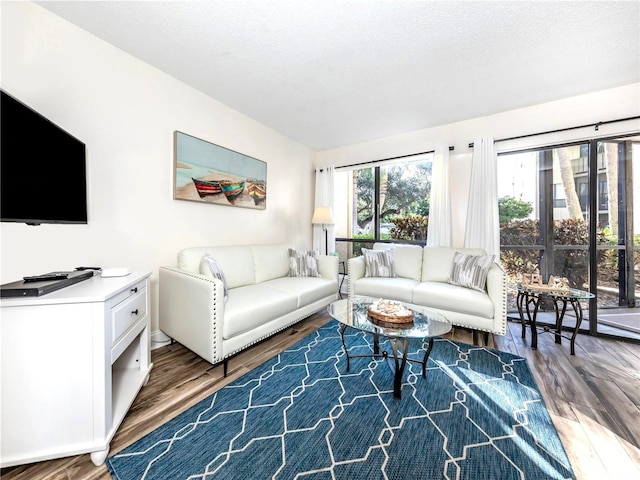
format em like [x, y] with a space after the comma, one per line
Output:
[529, 299]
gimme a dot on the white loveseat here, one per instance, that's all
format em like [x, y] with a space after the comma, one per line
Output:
[422, 279]
[262, 298]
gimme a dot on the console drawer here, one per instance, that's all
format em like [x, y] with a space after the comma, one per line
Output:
[127, 313]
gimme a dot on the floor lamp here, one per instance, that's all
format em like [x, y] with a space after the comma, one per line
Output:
[323, 216]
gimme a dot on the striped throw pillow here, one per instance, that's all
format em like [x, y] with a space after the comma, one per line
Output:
[470, 271]
[216, 271]
[378, 263]
[303, 263]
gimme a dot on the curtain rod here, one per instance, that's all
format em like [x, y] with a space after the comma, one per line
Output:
[386, 159]
[596, 125]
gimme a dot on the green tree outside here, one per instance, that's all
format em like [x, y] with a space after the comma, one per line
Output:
[510, 208]
[405, 193]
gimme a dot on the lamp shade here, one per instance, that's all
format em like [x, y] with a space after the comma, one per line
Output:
[322, 215]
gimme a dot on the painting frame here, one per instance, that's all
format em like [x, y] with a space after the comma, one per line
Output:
[205, 172]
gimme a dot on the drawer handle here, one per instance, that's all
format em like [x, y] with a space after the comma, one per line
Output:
[135, 312]
[134, 290]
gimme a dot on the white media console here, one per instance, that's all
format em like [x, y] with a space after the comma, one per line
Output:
[72, 362]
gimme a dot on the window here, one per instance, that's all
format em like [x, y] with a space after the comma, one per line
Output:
[583, 194]
[559, 198]
[384, 203]
[603, 195]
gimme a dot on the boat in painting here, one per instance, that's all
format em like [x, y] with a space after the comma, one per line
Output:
[257, 190]
[232, 189]
[206, 187]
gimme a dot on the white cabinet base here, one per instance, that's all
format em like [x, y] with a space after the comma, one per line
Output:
[72, 363]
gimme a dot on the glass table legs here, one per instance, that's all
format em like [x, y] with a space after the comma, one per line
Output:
[396, 361]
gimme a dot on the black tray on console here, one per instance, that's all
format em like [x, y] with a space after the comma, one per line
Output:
[35, 289]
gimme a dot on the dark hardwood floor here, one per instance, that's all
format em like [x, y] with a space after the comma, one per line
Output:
[593, 398]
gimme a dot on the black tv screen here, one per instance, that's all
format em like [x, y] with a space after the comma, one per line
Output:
[43, 174]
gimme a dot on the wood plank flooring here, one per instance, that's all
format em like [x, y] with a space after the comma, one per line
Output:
[593, 398]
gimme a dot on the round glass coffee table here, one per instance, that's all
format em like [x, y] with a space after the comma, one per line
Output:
[427, 324]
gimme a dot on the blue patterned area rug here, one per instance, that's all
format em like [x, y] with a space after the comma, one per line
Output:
[477, 415]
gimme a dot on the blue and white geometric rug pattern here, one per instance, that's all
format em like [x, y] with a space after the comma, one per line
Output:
[477, 415]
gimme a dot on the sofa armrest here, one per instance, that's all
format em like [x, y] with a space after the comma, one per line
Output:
[497, 290]
[328, 267]
[356, 270]
[191, 311]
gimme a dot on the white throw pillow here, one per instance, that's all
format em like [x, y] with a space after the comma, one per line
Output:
[378, 263]
[303, 263]
[470, 271]
[216, 271]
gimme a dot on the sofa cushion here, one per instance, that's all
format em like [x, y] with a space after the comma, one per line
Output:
[190, 259]
[470, 271]
[407, 259]
[271, 261]
[253, 305]
[397, 288]
[306, 289]
[378, 263]
[303, 263]
[444, 296]
[437, 261]
[236, 261]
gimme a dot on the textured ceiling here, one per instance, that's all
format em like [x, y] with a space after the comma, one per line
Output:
[329, 73]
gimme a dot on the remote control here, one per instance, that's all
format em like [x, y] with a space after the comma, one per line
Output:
[46, 277]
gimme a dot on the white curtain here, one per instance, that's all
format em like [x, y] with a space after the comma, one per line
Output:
[483, 228]
[324, 198]
[439, 227]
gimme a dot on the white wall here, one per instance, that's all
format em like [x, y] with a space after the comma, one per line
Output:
[622, 102]
[126, 111]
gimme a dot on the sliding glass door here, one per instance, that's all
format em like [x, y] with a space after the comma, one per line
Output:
[568, 211]
[618, 233]
[544, 218]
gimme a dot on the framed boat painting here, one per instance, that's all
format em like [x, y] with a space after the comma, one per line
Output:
[206, 172]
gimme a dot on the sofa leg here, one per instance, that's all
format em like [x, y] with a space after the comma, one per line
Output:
[476, 338]
[225, 367]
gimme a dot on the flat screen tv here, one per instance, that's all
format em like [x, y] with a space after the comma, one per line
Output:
[43, 174]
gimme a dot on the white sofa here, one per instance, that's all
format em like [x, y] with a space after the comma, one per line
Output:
[422, 279]
[262, 298]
